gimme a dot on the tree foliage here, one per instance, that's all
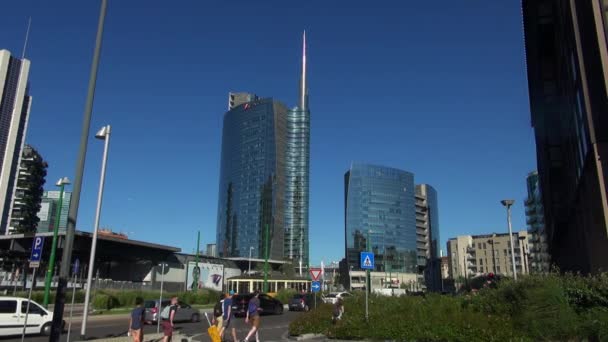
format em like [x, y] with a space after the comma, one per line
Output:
[32, 181]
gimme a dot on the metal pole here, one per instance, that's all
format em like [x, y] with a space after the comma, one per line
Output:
[367, 284]
[250, 250]
[15, 280]
[29, 298]
[72, 307]
[160, 298]
[83, 328]
[75, 199]
[511, 240]
[51, 266]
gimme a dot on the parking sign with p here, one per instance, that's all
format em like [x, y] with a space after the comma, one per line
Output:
[36, 255]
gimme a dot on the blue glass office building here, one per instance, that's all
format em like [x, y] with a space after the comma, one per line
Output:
[380, 200]
[252, 179]
[264, 178]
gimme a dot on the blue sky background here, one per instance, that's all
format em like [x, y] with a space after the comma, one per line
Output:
[435, 88]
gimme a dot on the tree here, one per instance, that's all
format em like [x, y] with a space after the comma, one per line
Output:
[30, 182]
[288, 269]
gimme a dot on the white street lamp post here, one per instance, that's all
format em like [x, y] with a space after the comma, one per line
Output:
[508, 204]
[103, 134]
[250, 250]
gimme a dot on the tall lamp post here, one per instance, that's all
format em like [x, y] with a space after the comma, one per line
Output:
[49, 273]
[508, 204]
[160, 298]
[103, 134]
[250, 250]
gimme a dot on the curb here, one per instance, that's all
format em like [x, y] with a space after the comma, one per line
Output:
[147, 338]
[305, 337]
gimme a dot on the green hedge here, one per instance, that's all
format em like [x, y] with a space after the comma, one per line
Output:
[110, 299]
[535, 308]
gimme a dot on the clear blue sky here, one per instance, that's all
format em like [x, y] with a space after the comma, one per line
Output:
[435, 88]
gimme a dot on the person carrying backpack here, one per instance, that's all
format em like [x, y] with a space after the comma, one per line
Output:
[168, 315]
[218, 312]
[228, 315]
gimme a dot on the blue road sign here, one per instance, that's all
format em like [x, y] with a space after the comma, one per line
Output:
[316, 286]
[76, 266]
[37, 245]
[367, 260]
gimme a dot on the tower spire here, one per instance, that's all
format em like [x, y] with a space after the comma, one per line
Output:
[303, 90]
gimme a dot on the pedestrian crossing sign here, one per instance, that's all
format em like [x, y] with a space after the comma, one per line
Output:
[367, 260]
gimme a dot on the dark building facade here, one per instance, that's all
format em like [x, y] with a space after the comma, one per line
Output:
[567, 65]
[14, 112]
[379, 204]
[427, 235]
[264, 177]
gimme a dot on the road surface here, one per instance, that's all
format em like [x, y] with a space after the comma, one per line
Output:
[273, 328]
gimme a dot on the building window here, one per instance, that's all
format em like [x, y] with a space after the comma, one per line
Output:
[480, 261]
[484, 245]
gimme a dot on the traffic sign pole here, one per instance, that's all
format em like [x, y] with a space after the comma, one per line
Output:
[29, 298]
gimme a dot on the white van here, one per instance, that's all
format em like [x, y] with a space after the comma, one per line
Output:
[12, 317]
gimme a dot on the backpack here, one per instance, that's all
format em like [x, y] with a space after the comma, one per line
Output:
[165, 313]
[218, 309]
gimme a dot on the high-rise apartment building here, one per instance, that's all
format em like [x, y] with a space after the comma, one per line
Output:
[49, 209]
[474, 255]
[567, 65]
[15, 104]
[264, 177]
[380, 216]
[427, 235]
[28, 192]
[535, 218]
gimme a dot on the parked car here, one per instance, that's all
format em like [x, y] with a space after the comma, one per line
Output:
[185, 313]
[269, 305]
[12, 317]
[332, 298]
[302, 302]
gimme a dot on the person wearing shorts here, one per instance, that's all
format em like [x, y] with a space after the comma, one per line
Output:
[168, 323]
[253, 316]
[136, 321]
[227, 318]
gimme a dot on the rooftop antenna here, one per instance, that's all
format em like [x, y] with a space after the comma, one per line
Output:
[27, 35]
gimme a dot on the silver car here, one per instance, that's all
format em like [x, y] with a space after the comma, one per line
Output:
[184, 313]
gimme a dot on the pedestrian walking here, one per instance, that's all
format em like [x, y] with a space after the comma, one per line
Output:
[338, 311]
[168, 315]
[136, 321]
[253, 317]
[228, 315]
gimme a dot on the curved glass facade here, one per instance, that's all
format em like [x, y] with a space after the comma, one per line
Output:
[380, 203]
[433, 208]
[296, 193]
[264, 181]
[252, 179]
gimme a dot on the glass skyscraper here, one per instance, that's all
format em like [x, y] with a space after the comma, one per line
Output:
[264, 177]
[380, 204]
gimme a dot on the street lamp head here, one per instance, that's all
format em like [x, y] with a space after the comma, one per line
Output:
[63, 181]
[103, 132]
[507, 203]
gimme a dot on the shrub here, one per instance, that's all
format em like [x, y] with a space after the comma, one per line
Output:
[540, 307]
[285, 295]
